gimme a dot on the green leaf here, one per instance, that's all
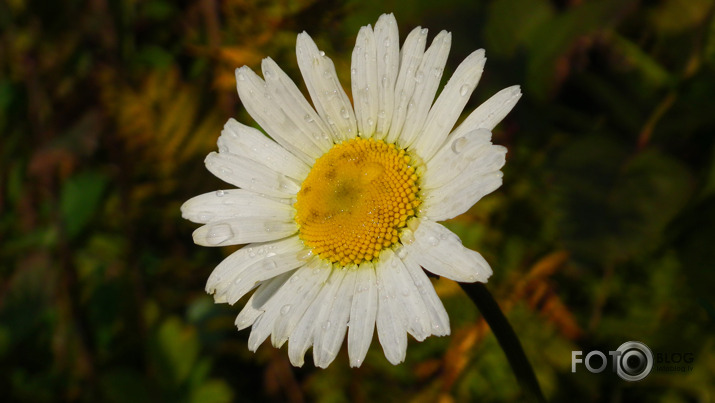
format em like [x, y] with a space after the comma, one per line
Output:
[80, 199]
[512, 22]
[212, 391]
[178, 349]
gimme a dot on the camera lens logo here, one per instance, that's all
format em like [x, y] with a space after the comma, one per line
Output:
[634, 361]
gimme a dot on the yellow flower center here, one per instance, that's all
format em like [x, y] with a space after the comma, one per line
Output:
[356, 199]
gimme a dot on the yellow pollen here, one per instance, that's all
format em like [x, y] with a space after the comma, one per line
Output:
[356, 199]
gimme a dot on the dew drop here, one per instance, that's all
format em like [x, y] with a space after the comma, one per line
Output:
[251, 252]
[226, 170]
[241, 76]
[424, 31]
[437, 72]
[386, 43]
[205, 216]
[344, 113]
[407, 237]
[254, 180]
[322, 54]
[381, 113]
[270, 264]
[443, 236]
[267, 74]
[285, 309]
[401, 252]
[464, 90]
[353, 71]
[370, 122]
[433, 241]
[326, 325]
[308, 118]
[326, 74]
[458, 145]
[304, 254]
[220, 193]
[219, 233]
[419, 76]
[384, 81]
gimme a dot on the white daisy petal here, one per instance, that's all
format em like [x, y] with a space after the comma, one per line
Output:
[250, 143]
[387, 39]
[234, 203]
[491, 112]
[271, 311]
[470, 155]
[258, 101]
[440, 251]
[327, 93]
[439, 319]
[390, 325]
[449, 105]
[254, 307]
[250, 175]
[314, 319]
[304, 287]
[240, 230]
[411, 308]
[364, 81]
[264, 269]
[288, 97]
[332, 333]
[411, 56]
[427, 77]
[362, 314]
[467, 188]
[230, 268]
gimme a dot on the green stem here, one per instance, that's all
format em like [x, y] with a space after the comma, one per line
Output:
[507, 339]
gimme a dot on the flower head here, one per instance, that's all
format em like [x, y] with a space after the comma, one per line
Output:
[339, 207]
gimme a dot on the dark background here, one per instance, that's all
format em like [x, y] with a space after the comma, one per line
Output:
[602, 233]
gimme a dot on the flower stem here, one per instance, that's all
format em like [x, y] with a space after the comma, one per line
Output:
[507, 339]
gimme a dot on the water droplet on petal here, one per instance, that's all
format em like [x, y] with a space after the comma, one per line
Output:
[386, 43]
[241, 76]
[458, 145]
[419, 76]
[326, 325]
[353, 71]
[206, 216]
[344, 113]
[424, 31]
[437, 72]
[433, 241]
[308, 118]
[370, 122]
[304, 254]
[219, 233]
[220, 193]
[321, 53]
[285, 309]
[464, 90]
[407, 237]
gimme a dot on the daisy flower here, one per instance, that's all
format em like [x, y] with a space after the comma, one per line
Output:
[339, 207]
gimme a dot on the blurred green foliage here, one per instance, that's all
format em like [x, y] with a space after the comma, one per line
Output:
[602, 233]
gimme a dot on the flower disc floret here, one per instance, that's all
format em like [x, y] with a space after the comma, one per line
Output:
[356, 199]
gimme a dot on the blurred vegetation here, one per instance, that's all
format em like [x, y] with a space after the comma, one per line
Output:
[602, 233]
